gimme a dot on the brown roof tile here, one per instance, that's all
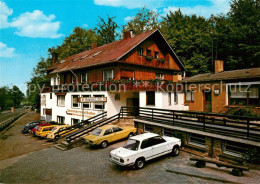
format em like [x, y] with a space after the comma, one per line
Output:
[111, 52]
[224, 76]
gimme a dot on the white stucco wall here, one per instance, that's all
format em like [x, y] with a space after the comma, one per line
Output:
[161, 101]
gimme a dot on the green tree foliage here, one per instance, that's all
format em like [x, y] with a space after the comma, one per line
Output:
[107, 30]
[79, 41]
[10, 97]
[38, 81]
[190, 38]
[144, 20]
[240, 35]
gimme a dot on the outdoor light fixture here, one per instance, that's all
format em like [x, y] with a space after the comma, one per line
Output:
[216, 91]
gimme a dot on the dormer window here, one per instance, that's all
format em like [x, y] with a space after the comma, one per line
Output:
[140, 51]
[156, 55]
[148, 52]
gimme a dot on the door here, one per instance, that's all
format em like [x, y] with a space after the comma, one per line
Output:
[159, 146]
[108, 135]
[118, 133]
[207, 101]
[146, 149]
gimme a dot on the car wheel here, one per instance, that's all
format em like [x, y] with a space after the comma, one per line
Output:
[139, 163]
[104, 144]
[175, 151]
[131, 134]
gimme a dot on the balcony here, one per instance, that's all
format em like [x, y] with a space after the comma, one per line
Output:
[116, 85]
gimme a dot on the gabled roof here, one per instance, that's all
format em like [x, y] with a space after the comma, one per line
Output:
[108, 53]
[251, 73]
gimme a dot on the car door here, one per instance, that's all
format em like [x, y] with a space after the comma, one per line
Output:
[159, 146]
[108, 135]
[118, 133]
[146, 149]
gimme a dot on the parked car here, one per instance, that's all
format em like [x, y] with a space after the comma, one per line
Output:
[108, 133]
[51, 135]
[42, 131]
[40, 125]
[141, 148]
[29, 126]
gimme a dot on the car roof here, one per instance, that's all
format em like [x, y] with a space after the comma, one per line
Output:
[144, 136]
[107, 126]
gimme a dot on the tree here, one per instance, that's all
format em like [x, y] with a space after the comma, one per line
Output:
[190, 38]
[107, 30]
[144, 20]
[79, 41]
[17, 95]
[38, 81]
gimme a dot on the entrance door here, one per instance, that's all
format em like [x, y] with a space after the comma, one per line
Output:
[207, 101]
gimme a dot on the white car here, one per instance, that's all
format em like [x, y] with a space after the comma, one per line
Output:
[141, 148]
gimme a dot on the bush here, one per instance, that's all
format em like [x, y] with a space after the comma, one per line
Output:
[243, 111]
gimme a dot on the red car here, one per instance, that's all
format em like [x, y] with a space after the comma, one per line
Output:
[40, 125]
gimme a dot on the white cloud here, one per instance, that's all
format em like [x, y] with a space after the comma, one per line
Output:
[6, 51]
[36, 25]
[85, 25]
[131, 3]
[128, 18]
[4, 13]
[217, 7]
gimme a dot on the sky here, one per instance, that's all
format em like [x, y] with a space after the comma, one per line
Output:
[29, 27]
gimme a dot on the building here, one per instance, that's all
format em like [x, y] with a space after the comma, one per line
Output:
[222, 90]
[137, 70]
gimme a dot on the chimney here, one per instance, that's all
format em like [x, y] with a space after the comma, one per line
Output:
[219, 66]
[93, 45]
[128, 34]
[54, 57]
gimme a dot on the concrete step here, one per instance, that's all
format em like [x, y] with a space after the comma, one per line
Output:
[60, 147]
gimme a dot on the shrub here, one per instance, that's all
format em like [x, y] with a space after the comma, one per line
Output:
[242, 111]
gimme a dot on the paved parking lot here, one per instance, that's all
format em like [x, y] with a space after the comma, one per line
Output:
[85, 164]
[90, 165]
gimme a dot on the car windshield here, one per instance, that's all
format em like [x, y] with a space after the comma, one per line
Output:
[96, 132]
[132, 144]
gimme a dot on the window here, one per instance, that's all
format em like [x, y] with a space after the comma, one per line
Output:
[145, 144]
[61, 100]
[156, 140]
[132, 144]
[108, 75]
[233, 149]
[75, 102]
[156, 55]
[175, 97]
[50, 95]
[189, 96]
[60, 119]
[99, 105]
[150, 97]
[96, 132]
[84, 77]
[65, 78]
[196, 140]
[148, 52]
[169, 98]
[140, 51]
[244, 95]
[159, 76]
[108, 131]
[74, 121]
[117, 129]
[86, 105]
